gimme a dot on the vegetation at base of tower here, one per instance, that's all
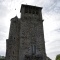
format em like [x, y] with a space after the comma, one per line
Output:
[2, 58]
[58, 57]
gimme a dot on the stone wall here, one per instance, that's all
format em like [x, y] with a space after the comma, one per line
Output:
[12, 48]
[26, 36]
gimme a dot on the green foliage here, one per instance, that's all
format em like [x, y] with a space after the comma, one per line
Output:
[2, 59]
[58, 57]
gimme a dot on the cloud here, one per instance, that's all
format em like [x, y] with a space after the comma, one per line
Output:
[3, 10]
[2, 47]
[53, 54]
[57, 30]
[53, 48]
[51, 16]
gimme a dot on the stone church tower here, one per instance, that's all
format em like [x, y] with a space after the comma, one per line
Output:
[26, 37]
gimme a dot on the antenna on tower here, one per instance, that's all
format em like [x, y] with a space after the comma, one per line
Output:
[15, 10]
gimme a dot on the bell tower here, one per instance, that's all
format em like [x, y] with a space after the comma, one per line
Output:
[28, 11]
[26, 36]
[32, 44]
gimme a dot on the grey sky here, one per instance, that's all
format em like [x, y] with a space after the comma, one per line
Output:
[50, 14]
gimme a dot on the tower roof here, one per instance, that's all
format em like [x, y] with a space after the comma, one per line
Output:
[23, 5]
[14, 18]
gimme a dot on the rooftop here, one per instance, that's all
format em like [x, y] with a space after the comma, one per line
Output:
[23, 5]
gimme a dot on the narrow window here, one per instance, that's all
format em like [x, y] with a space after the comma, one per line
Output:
[29, 10]
[33, 12]
[34, 49]
[14, 37]
[13, 52]
[26, 9]
[37, 12]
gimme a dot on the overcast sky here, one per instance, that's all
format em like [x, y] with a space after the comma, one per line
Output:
[51, 16]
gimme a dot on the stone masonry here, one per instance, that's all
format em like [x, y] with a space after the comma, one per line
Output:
[26, 36]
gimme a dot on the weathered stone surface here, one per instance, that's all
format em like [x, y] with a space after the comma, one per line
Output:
[26, 37]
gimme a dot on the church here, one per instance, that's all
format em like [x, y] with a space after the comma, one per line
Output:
[26, 35]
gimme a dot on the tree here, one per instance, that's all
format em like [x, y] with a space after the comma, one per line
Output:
[2, 58]
[58, 57]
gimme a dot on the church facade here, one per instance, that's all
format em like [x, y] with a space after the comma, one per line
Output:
[26, 35]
